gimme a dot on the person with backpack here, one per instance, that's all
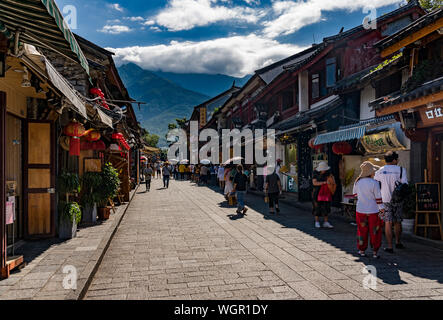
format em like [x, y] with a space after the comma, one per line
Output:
[273, 190]
[369, 204]
[392, 179]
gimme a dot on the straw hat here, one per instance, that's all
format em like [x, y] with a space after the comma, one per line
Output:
[323, 166]
[64, 142]
[367, 169]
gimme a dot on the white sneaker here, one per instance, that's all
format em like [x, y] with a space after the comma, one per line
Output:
[327, 225]
[317, 225]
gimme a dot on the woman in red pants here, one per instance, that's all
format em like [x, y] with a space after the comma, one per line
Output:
[369, 204]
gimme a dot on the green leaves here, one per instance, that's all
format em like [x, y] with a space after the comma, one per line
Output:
[68, 183]
[70, 211]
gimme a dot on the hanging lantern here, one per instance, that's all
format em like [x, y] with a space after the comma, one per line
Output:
[92, 135]
[313, 146]
[74, 130]
[341, 148]
[98, 92]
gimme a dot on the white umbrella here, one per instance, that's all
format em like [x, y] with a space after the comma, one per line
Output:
[173, 161]
[233, 159]
[205, 161]
[184, 161]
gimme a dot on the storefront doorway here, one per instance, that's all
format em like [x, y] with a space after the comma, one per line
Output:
[39, 179]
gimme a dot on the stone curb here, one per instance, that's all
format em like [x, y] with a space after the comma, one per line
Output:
[85, 278]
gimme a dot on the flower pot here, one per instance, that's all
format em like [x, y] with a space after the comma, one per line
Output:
[67, 229]
[408, 226]
[103, 213]
[89, 214]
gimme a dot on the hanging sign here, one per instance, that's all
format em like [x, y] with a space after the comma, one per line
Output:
[10, 210]
[202, 116]
[432, 114]
[381, 142]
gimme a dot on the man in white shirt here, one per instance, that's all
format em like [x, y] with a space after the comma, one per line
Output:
[388, 175]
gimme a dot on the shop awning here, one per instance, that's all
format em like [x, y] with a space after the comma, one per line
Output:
[352, 131]
[37, 61]
[41, 24]
[62, 84]
[341, 135]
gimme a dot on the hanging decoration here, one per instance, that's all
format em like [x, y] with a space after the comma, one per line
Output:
[74, 130]
[342, 148]
[99, 93]
[121, 139]
[315, 147]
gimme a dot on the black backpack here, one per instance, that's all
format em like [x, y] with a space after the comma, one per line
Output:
[401, 191]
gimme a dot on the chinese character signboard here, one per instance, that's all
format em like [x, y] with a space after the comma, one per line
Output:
[432, 114]
[381, 142]
[428, 197]
[202, 117]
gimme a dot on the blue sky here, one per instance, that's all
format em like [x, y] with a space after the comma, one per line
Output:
[233, 37]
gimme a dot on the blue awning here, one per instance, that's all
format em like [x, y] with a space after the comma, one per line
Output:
[341, 135]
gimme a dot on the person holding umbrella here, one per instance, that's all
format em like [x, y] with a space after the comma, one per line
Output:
[240, 184]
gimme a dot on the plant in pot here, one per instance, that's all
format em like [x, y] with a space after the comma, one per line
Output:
[409, 207]
[108, 190]
[91, 195]
[69, 212]
[70, 215]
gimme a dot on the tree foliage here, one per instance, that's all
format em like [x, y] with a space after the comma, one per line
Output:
[151, 139]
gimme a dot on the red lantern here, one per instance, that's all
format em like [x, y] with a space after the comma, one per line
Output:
[341, 148]
[92, 135]
[85, 145]
[315, 147]
[98, 92]
[74, 130]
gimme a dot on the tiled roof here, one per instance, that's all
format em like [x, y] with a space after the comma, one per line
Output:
[425, 89]
[416, 25]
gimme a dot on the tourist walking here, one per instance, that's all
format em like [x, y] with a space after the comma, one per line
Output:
[148, 172]
[390, 176]
[158, 169]
[228, 182]
[181, 170]
[323, 185]
[369, 205]
[273, 190]
[166, 175]
[221, 177]
[240, 181]
[204, 170]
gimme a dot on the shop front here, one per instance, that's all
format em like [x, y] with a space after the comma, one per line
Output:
[365, 141]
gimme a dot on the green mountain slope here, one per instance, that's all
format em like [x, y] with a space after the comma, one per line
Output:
[166, 100]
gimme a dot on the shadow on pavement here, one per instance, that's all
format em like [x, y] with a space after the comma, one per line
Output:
[416, 259]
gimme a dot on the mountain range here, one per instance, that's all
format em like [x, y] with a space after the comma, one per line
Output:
[170, 95]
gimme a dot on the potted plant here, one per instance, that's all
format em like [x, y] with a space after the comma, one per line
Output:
[69, 212]
[409, 207]
[91, 184]
[108, 190]
[70, 216]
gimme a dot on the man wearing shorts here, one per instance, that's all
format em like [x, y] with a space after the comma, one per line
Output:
[388, 175]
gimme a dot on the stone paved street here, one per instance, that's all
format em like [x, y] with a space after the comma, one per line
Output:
[180, 243]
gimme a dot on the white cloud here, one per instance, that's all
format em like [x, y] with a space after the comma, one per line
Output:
[290, 16]
[115, 29]
[187, 14]
[116, 6]
[149, 23]
[134, 19]
[235, 56]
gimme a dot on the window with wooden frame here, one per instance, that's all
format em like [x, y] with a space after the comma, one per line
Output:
[315, 86]
[288, 98]
[331, 72]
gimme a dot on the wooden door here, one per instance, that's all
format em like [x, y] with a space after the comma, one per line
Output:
[39, 179]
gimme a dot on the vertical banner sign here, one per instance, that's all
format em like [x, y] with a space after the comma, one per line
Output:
[202, 116]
